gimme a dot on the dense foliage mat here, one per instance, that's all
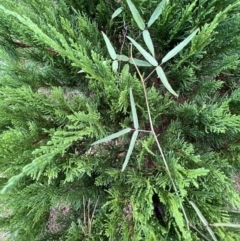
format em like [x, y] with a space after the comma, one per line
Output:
[119, 120]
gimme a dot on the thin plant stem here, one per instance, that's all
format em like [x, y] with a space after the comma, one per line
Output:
[145, 79]
[144, 131]
[84, 212]
[199, 232]
[123, 43]
[91, 220]
[156, 139]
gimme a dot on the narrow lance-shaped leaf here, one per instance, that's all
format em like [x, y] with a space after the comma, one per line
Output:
[140, 62]
[117, 12]
[145, 54]
[164, 80]
[134, 112]
[125, 70]
[148, 41]
[113, 136]
[110, 48]
[204, 221]
[138, 19]
[130, 149]
[230, 225]
[115, 65]
[122, 57]
[179, 47]
[157, 12]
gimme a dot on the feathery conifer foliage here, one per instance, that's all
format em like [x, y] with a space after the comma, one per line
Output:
[61, 91]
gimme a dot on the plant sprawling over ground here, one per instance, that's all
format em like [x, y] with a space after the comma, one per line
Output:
[119, 120]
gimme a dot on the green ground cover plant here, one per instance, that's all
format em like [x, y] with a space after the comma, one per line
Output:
[119, 120]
